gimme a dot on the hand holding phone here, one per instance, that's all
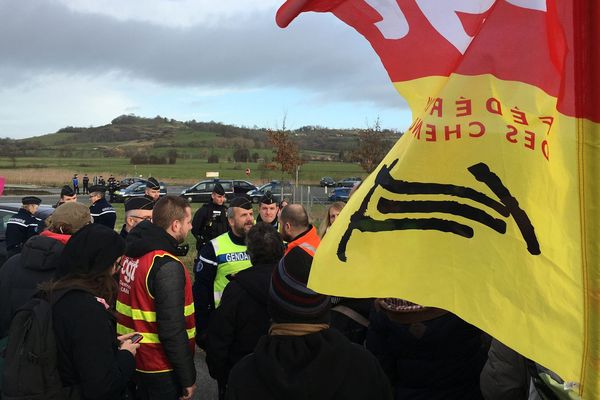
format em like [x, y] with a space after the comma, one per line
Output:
[136, 338]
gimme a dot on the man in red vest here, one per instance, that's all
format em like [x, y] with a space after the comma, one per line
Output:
[297, 231]
[155, 299]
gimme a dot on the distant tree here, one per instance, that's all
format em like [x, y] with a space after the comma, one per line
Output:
[241, 154]
[172, 156]
[287, 155]
[371, 147]
[255, 157]
[213, 159]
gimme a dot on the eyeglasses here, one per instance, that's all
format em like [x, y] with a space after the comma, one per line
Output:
[146, 218]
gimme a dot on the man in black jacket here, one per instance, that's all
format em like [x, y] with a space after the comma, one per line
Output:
[268, 210]
[37, 262]
[23, 225]
[302, 358]
[210, 220]
[155, 299]
[242, 318]
[102, 211]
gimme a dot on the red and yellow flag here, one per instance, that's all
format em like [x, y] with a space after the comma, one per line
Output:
[488, 206]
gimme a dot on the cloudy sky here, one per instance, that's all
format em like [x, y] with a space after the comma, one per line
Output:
[84, 62]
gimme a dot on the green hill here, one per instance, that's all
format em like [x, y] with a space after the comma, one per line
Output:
[141, 145]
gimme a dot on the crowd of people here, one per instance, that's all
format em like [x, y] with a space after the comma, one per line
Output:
[128, 317]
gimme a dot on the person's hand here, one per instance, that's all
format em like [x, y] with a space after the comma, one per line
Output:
[126, 343]
[123, 338]
[188, 392]
[130, 347]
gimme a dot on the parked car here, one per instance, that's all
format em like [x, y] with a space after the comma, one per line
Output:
[126, 182]
[201, 191]
[7, 211]
[340, 194]
[327, 181]
[348, 182]
[276, 188]
[136, 189]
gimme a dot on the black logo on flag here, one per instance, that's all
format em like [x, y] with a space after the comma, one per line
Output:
[506, 206]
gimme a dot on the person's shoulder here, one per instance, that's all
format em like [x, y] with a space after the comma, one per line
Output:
[243, 370]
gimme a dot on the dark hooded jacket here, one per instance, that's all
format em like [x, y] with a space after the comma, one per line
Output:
[240, 320]
[22, 273]
[166, 282]
[319, 366]
[434, 359]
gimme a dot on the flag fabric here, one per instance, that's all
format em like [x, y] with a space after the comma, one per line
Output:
[1, 185]
[488, 205]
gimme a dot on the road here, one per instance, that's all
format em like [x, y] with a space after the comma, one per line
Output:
[206, 386]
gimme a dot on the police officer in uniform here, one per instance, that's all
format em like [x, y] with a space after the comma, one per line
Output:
[112, 187]
[101, 210]
[137, 209]
[23, 225]
[86, 183]
[268, 210]
[222, 256]
[67, 195]
[152, 191]
[210, 220]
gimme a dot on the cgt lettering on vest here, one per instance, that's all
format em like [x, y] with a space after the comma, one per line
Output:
[232, 257]
[128, 267]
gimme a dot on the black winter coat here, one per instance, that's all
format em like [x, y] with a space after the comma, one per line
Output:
[440, 358]
[240, 320]
[166, 283]
[22, 273]
[209, 222]
[320, 366]
[88, 354]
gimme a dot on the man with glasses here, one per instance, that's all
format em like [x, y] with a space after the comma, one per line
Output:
[101, 210]
[137, 209]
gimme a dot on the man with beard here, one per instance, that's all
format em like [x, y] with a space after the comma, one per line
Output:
[210, 220]
[222, 256]
[297, 231]
[155, 299]
[267, 210]
[152, 190]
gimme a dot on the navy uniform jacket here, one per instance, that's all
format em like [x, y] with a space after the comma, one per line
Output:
[209, 222]
[104, 213]
[19, 228]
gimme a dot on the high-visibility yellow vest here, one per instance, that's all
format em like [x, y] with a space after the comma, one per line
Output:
[231, 258]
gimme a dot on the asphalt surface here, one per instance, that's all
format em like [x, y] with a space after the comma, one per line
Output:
[206, 387]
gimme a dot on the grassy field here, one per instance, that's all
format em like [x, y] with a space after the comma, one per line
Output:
[56, 171]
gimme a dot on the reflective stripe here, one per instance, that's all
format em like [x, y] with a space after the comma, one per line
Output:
[217, 296]
[20, 224]
[308, 246]
[104, 212]
[150, 337]
[148, 316]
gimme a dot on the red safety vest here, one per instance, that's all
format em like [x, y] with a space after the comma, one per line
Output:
[136, 311]
[308, 242]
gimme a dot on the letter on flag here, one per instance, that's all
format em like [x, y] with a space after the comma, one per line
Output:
[489, 204]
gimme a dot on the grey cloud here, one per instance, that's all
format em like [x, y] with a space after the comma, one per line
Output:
[313, 53]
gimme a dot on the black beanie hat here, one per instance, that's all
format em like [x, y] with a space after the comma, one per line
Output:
[92, 249]
[289, 298]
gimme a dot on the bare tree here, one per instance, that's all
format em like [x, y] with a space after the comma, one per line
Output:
[286, 150]
[371, 147]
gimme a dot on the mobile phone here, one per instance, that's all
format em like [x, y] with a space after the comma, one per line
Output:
[136, 338]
